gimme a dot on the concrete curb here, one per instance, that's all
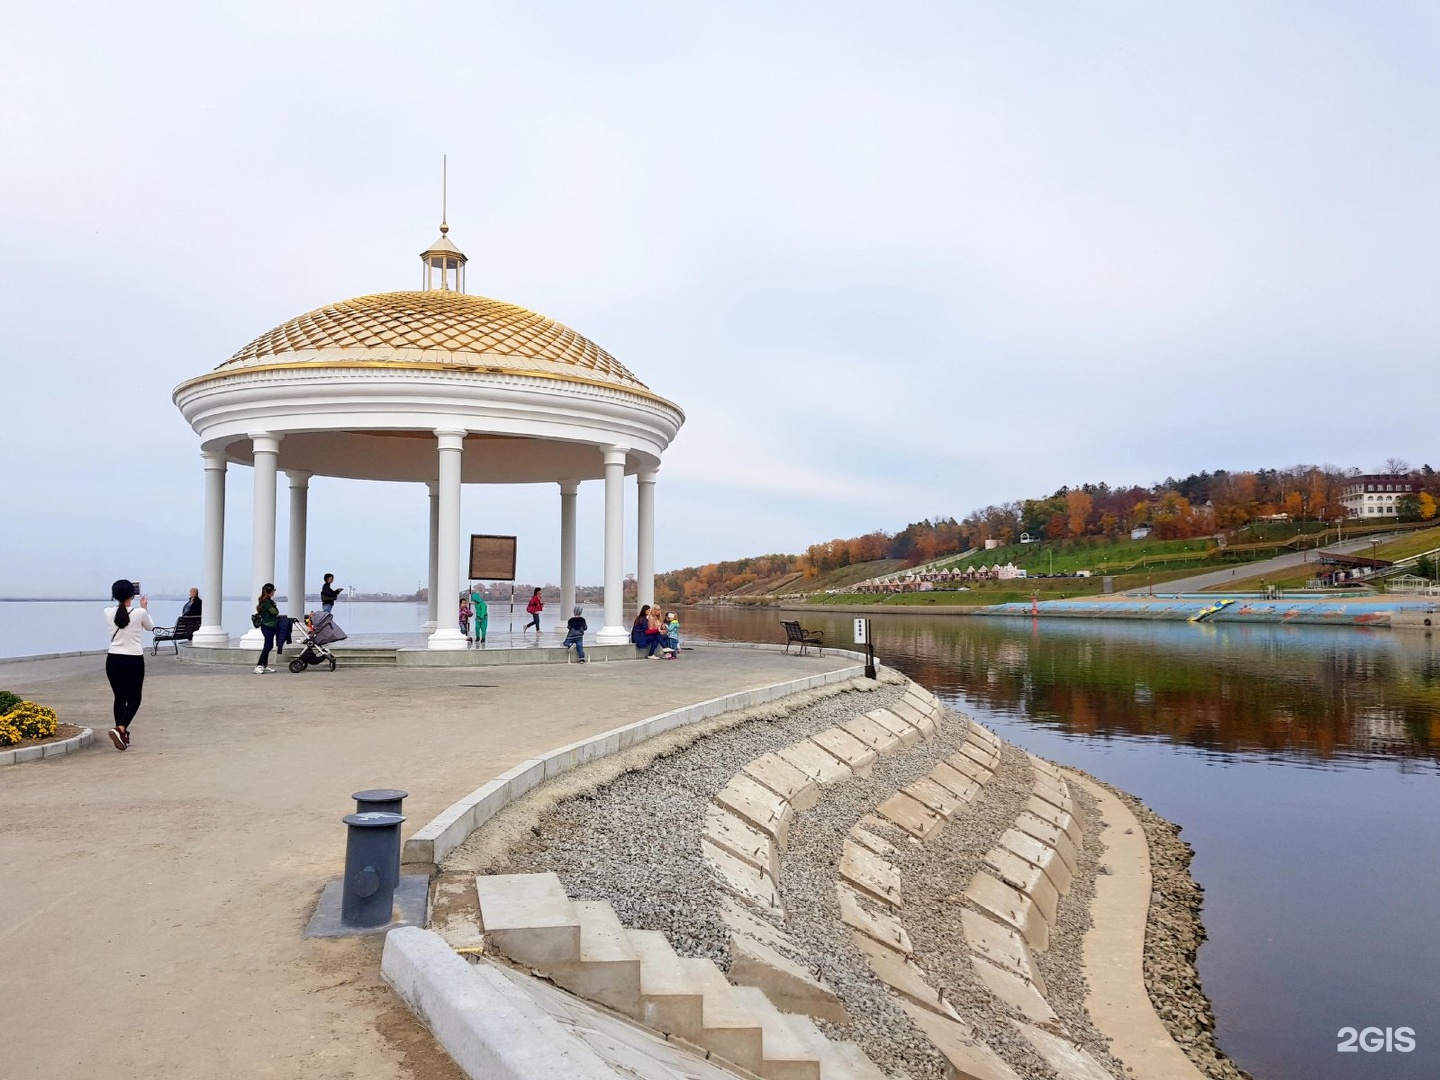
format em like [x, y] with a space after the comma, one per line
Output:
[48, 750]
[51, 656]
[448, 830]
[484, 1024]
[1114, 948]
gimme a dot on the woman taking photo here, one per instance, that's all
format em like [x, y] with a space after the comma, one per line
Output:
[125, 659]
[267, 615]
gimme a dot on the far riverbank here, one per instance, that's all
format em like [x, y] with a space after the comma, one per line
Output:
[1398, 612]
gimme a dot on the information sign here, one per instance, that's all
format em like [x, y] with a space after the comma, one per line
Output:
[492, 558]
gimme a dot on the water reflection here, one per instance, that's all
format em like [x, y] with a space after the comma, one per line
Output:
[1311, 694]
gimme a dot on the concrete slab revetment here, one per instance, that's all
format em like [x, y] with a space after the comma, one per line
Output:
[915, 818]
[742, 877]
[968, 766]
[1027, 878]
[907, 733]
[966, 1056]
[876, 736]
[870, 874]
[1050, 836]
[980, 753]
[954, 781]
[757, 804]
[1059, 818]
[744, 841]
[801, 791]
[865, 838]
[915, 716]
[937, 798]
[820, 765]
[785, 982]
[885, 929]
[1033, 851]
[847, 749]
[1014, 991]
[902, 975]
[1010, 906]
[1002, 946]
[1067, 1059]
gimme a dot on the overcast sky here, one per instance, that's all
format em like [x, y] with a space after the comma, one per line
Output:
[894, 261]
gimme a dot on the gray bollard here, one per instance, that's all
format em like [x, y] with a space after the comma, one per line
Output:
[372, 868]
[385, 800]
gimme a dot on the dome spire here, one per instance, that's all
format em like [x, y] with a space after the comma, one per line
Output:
[444, 262]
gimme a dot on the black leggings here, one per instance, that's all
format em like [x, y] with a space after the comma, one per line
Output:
[127, 677]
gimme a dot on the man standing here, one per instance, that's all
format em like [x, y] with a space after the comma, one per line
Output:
[192, 606]
[329, 594]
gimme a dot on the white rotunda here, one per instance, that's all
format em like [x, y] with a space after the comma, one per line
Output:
[435, 387]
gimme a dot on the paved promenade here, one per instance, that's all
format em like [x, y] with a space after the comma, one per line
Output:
[153, 900]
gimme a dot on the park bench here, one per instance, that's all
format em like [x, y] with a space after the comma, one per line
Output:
[795, 634]
[183, 630]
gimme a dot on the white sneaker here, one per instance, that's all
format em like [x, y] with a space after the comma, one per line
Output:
[269, 671]
[260, 670]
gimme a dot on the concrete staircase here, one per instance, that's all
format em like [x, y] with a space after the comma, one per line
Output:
[363, 657]
[582, 947]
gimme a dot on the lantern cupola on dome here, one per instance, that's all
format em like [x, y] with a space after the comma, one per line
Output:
[444, 262]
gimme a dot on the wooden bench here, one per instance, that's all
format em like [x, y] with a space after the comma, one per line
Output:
[795, 634]
[183, 630]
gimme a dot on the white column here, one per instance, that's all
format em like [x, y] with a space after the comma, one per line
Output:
[266, 448]
[614, 631]
[645, 537]
[299, 507]
[433, 585]
[568, 490]
[212, 634]
[447, 633]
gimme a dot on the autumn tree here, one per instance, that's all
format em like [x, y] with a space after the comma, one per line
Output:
[1078, 505]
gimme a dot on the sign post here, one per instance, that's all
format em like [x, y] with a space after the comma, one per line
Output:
[863, 637]
[492, 558]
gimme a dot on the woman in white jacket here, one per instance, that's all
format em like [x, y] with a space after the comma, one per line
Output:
[125, 661]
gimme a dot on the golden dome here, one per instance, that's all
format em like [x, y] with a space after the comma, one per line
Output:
[435, 326]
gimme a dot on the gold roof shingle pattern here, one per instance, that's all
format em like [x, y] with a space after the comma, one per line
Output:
[441, 327]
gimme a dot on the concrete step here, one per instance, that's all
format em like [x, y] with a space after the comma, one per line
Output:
[362, 657]
[838, 1061]
[785, 1057]
[727, 1027]
[850, 1064]
[528, 918]
[608, 970]
[669, 1001]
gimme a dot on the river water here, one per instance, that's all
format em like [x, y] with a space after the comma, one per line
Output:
[1303, 764]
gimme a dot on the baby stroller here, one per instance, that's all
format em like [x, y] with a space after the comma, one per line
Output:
[320, 630]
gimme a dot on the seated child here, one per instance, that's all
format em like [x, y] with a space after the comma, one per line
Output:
[575, 633]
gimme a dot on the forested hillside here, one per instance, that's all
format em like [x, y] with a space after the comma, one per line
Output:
[1201, 504]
